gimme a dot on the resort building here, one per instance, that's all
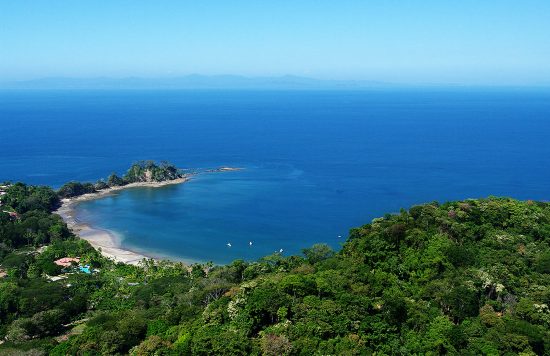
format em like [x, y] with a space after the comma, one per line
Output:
[12, 214]
[67, 261]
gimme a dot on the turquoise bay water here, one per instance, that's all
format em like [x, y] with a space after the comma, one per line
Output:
[201, 217]
[316, 163]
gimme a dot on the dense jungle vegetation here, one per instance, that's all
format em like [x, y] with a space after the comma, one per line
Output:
[463, 278]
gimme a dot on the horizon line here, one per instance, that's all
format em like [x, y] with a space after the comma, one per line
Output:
[231, 81]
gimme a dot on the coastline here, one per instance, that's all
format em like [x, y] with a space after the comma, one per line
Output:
[104, 240]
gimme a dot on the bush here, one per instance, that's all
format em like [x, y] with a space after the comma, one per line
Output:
[114, 180]
[74, 189]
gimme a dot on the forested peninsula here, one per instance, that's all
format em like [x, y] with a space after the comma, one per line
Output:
[140, 172]
[466, 278]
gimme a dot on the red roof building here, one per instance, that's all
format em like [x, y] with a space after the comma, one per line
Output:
[66, 261]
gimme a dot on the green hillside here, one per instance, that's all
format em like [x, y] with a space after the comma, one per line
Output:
[463, 278]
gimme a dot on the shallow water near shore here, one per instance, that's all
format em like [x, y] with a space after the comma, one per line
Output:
[249, 209]
[316, 163]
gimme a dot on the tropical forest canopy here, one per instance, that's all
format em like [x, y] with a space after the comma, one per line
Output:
[469, 277]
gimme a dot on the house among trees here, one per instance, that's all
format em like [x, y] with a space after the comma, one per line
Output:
[12, 214]
[67, 261]
[3, 192]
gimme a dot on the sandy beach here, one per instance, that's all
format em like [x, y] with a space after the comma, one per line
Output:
[104, 240]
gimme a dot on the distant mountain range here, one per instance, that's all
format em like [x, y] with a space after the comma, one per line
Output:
[192, 82]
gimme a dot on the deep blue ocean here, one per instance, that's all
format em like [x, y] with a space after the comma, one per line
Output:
[317, 163]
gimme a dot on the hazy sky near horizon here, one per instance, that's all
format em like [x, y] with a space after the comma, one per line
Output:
[428, 41]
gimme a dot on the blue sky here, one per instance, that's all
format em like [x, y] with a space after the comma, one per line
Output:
[428, 41]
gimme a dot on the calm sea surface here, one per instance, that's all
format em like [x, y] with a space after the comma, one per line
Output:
[316, 163]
